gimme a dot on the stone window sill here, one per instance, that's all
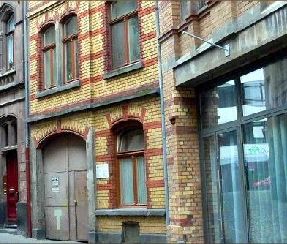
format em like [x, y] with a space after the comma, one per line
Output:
[65, 87]
[123, 70]
[7, 73]
[130, 212]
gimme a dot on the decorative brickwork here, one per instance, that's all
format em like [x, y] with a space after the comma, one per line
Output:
[94, 91]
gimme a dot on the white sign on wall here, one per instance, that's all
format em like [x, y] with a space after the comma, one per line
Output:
[102, 171]
[55, 184]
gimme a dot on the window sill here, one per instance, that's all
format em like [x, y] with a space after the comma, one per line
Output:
[8, 148]
[123, 70]
[65, 87]
[7, 73]
[130, 212]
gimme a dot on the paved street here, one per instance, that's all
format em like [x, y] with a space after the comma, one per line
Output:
[11, 238]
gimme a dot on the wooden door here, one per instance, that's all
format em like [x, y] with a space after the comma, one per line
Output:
[12, 186]
[66, 209]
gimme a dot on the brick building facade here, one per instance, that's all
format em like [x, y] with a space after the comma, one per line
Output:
[13, 194]
[95, 122]
[224, 118]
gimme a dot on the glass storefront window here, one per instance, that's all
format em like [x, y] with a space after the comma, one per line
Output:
[245, 162]
[265, 154]
[253, 92]
[219, 105]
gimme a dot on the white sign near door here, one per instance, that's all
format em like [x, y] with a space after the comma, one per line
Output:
[102, 171]
[55, 184]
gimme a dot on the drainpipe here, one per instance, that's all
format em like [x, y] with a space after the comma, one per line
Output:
[26, 113]
[162, 105]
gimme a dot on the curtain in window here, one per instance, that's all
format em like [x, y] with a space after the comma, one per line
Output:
[10, 50]
[127, 191]
[69, 59]
[47, 71]
[212, 191]
[265, 156]
[118, 45]
[134, 49]
[233, 208]
[142, 191]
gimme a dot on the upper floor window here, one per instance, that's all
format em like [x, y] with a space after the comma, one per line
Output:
[49, 57]
[187, 7]
[10, 27]
[124, 33]
[130, 153]
[70, 40]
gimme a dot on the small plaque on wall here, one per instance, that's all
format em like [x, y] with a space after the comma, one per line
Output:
[102, 171]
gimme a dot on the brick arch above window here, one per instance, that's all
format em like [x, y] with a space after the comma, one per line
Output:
[66, 15]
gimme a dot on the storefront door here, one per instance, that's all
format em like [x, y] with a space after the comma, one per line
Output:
[65, 174]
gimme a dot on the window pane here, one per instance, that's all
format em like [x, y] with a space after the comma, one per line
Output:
[212, 191]
[134, 47]
[132, 140]
[77, 58]
[49, 36]
[184, 8]
[265, 88]
[127, 189]
[265, 159]
[218, 105]
[118, 46]
[253, 92]
[71, 26]
[47, 69]
[69, 58]
[10, 24]
[276, 84]
[10, 50]
[142, 191]
[233, 201]
[120, 8]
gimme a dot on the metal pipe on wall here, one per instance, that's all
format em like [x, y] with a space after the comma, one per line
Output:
[26, 113]
[163, 121]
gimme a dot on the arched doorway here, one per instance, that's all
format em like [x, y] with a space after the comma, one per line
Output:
[65, 177]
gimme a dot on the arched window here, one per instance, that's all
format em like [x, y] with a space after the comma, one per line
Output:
[70, 41]
[49, 57]
[130, 154]
[10, 27]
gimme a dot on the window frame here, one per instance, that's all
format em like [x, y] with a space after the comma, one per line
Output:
[125, 20]
[133, 156]
[73, 40]
[51, 48]
[237, 125]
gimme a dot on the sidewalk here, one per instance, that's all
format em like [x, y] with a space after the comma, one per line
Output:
[11, 238]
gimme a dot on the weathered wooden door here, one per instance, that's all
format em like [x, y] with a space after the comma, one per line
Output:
[12, 186]
[65, 177]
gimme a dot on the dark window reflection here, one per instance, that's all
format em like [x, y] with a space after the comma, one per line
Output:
[219, 105]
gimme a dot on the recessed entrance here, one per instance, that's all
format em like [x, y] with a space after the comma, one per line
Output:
[65, 176]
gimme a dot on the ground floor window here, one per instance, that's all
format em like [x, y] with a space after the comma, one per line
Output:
[244, 147]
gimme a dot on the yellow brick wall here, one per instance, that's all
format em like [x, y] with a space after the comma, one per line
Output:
[97, 119]
[91, 21]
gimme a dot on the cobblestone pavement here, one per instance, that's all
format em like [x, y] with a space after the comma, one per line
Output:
[11, 238]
